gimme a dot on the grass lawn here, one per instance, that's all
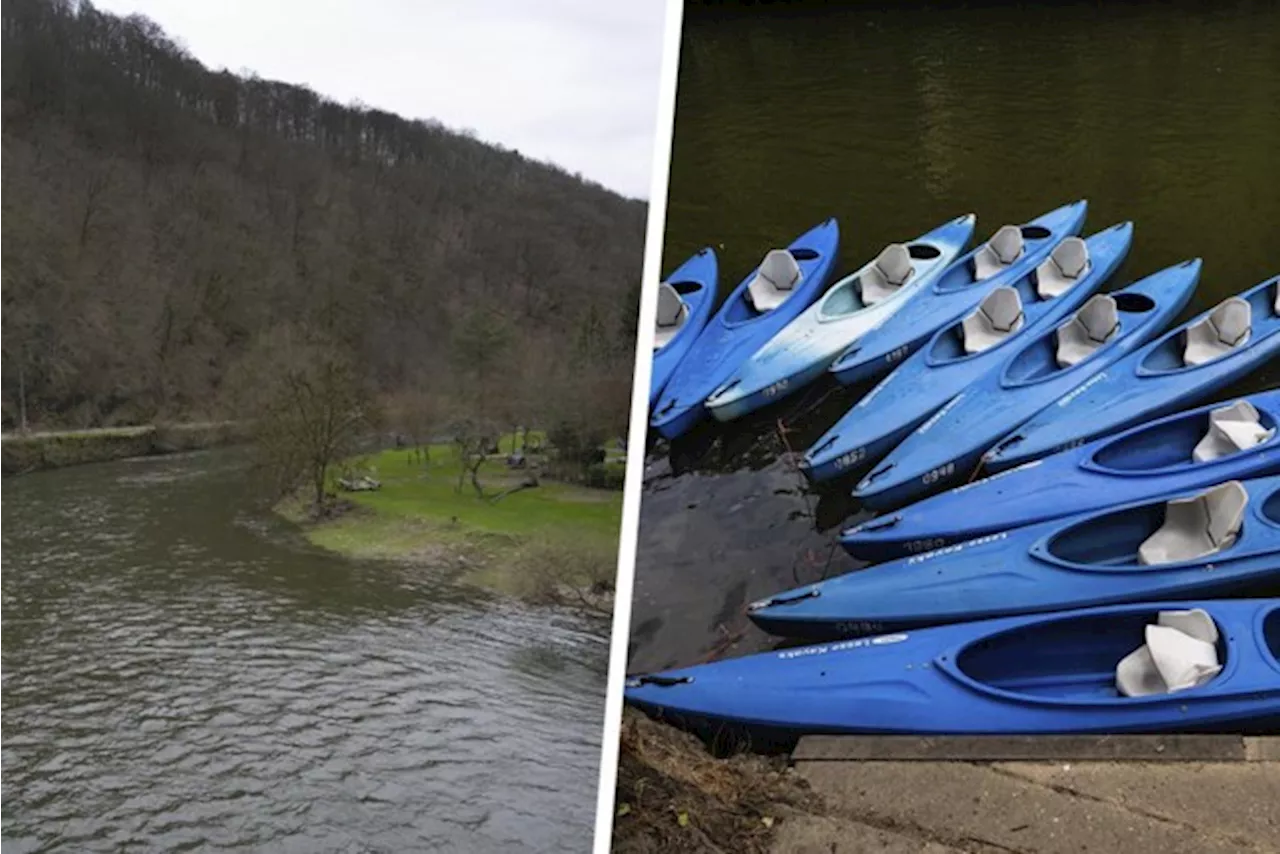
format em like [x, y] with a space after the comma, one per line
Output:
[553, 529]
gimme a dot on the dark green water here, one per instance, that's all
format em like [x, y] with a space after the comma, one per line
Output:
[894, 121]
[181, 675]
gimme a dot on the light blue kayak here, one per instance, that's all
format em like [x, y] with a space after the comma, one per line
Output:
[953, 358]
[771, 296]
[1011, 253]
[1206, 354]
[859, 302]
[945, 450]
[685, 300]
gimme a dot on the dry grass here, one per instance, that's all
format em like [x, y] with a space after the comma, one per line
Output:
[673, 796]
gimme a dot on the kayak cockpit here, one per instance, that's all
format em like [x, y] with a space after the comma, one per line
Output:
[994, 322]
[1226, 329]
[776, 280]
[1096, 657]
[1188, 531]
[1182, 442]
[1098, 323]
[893, 268]
[673, 310]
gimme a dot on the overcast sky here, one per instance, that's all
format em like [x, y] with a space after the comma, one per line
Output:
[571, 81]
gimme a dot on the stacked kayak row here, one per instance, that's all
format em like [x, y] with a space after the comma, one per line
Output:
[1078, 588]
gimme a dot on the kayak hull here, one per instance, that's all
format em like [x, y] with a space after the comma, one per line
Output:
[1037, 674]
[954, 295]
[1080, 480]
[736, 331]
[1141, 387]
[938, 371]
[802, 352]
[695, 280]
[947, 449]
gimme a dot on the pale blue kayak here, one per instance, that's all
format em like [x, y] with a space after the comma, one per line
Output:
[859, 302]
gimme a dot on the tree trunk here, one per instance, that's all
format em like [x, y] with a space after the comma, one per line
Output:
[22, 395]
[319, 471]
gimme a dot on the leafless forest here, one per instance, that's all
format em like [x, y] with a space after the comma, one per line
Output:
[163, 224]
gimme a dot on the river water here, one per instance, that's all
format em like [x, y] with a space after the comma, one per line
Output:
[183, 674]
[895, 120]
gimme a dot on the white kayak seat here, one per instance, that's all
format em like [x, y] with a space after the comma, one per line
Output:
[1232, 429]
[998, 316]
[1195, 622]
[1226, 328]
[1004, 247]
[1276, 305]
[888, 272]
[1063, 268]
[1180, 652]
[775, 280]
[672, 314]
[1093, 325]
[1197, 526]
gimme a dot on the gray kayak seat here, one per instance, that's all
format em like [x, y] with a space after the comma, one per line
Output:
[1197, 526]
[1276, 305]
[998, 316]
[1063, 268]
[775, 280]
[1093, 325]
[1004, 247]
[1226, 328]
[888, 272]
[1180, 652]
[672, 314]
[1232, 429]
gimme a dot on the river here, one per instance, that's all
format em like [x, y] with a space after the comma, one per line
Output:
[182, 673]
[895, 120]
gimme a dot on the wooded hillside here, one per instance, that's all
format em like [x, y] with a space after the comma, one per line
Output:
[160, 218]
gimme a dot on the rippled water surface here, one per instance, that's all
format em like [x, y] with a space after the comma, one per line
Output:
[182, 675]
[895, 120]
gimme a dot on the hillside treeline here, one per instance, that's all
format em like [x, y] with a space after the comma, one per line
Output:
[160, 221]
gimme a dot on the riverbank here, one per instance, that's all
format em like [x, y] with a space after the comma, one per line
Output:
[674, 796]
[24, 453]
[555, 543]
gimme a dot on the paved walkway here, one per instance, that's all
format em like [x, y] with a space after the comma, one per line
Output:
[1171, 807]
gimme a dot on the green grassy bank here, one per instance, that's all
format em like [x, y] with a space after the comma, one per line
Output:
[552, 543]
[30, 452]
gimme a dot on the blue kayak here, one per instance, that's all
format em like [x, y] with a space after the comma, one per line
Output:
[1152, 549]
[1067, 672]
[859, 302]
[951, 359]
[784, 284]
[685, 300]
[1011, 253]
[1198, 358]
[945, 450]
[1153, 460]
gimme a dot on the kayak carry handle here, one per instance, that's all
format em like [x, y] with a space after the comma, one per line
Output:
[725, 389]
[880, 472]
[884, 523]
[783, 599]
[1004, 445]
[823, 446]
[660, 681]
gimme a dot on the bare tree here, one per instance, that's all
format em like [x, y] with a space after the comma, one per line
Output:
[472, 440]
[301, 391]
